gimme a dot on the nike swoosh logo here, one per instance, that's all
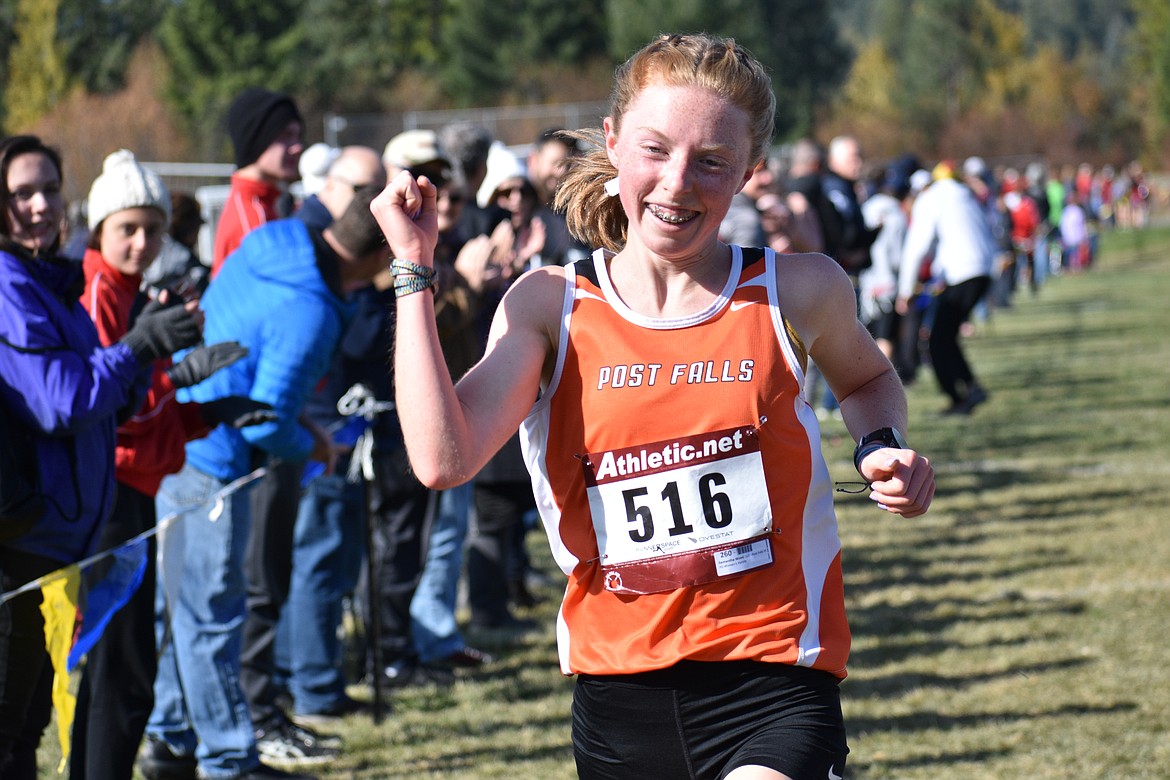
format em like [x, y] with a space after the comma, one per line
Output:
[737, 305]
[833, 775]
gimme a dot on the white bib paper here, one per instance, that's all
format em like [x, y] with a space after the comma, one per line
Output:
[681, 512]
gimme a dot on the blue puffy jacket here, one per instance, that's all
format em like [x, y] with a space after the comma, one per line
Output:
[64, 388]
[270, 296]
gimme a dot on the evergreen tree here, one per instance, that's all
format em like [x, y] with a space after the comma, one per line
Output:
[498, 48]
[1083, 75]
[478, 44]
[216, 48]
[800, 43]
[797, 40]
[633, 25]
[99, 38]
[1071, 26]
[365, 53]
[562, 32]
[939, 66]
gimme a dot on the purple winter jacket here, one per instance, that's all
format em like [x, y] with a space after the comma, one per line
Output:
[65, 388]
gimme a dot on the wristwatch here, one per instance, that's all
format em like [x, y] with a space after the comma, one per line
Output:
[870, 442]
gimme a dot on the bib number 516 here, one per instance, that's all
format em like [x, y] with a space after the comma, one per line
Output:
[715, 505]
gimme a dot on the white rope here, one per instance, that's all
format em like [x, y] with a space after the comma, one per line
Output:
[358, 400]
[165, 522]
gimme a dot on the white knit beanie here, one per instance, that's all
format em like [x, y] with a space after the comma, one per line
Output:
[126, 184]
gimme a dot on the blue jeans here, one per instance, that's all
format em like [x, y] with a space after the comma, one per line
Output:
[328, 546]
[1034, 270]
[432, 610]
[199, 707]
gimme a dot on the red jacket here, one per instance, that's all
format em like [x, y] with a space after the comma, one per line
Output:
[250, 204]
[150, 444]
[1025, 217]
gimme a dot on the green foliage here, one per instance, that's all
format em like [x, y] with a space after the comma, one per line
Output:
[36, 77]
[560, 32]
[1089, 78]
[633, 24]
[796, 39]
[348, 59]
[802, 48]
[7, 41]
[497, 49]
[218, 47]
[1151, 56]
[479, 44]
[99, 38]
[940, 66]
[1071, 25]
[963, 71]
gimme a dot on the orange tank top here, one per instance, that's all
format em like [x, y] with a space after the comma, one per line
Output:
[677, 469]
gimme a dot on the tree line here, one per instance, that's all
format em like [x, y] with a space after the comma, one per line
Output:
[1074, 79]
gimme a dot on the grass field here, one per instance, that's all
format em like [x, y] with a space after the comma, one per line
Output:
[1017, 631]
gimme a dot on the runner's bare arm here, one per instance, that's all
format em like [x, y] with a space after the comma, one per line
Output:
[818, 299]
[451, 432]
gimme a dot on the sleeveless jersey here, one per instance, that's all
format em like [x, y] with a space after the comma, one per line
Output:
[677, 469]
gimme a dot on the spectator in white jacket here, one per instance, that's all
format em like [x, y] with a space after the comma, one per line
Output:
[946, 224]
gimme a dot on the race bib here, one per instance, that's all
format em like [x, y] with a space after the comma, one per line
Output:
[680, 512]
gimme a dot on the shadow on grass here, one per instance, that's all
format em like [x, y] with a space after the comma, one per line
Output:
[882, 686]
[924, 621]
[934, 720]
[931, 572]
[944, 578]
[863, 769]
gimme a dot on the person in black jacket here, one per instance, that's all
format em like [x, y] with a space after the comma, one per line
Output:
[849, 240]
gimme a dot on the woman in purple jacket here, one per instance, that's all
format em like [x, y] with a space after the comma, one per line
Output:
[60, 394]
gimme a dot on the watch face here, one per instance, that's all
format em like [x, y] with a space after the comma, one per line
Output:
[882, 437]
[888, 436]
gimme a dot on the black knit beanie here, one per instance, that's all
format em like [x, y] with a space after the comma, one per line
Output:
[255, 119]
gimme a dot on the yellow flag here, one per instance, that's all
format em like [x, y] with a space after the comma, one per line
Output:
[59, 606]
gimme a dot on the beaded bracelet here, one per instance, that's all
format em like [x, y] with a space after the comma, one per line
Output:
[410, 277]
[411, 285]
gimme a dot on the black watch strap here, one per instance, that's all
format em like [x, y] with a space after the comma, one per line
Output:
[882, 437]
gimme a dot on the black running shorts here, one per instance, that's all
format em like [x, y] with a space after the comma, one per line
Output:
[699, 721]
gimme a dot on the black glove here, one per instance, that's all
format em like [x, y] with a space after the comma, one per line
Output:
[238, 411]
[202, 362]
[160, 330]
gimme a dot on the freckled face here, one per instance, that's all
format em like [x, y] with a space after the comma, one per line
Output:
[682, 153]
